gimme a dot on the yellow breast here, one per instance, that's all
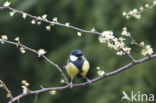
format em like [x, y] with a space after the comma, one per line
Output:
[85, 68]
[72, 70]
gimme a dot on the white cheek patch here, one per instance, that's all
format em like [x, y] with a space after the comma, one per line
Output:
[73, 58]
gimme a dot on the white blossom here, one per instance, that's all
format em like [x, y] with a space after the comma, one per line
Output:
[107, 33]
[124, 13]
[98, 68]
[127, 49]
[106, 36]
[142, 44]
[22, 50]
[118, 44]
[25, 83]
[12, 13]
[25, 89]
[41, 52]
[44, 17]
[100, 72]
[141, 8]
[124, 32]
[147, 50]
[67, 24]
[52, 92]
[6, 4]
[134, 13]
[120, 53]
[38, 22]
[121, 39]
[55, 20]
[17, 39]
[79, 34]
[62, 81]
[138, 16]
[24, 15]
[48, 28]
[1, 85]
[154, 2]
[102, 39]
[4, 37]
[93, 30]
[33, 21]
[146, 5]
[110, 45]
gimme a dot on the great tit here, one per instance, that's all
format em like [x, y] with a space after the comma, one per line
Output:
[77, 65]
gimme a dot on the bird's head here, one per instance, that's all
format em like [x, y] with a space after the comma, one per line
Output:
[76, 55]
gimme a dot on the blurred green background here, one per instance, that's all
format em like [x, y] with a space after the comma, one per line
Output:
[86, 14]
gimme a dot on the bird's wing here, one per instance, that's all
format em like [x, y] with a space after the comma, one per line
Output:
[85, 68]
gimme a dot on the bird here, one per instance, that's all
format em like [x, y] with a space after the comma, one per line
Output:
[77, 65]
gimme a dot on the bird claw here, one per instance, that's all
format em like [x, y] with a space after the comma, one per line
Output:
[71, 85]
[89, 82]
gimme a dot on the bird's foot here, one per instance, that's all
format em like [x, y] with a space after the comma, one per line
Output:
[89, 82]
[71, 85]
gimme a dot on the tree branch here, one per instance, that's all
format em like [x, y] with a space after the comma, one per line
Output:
[50, 22]
[60, 24]
[130, 56]
[86, 83]
[36, 92]
[36, 96]
[7, 90]
[44, 57]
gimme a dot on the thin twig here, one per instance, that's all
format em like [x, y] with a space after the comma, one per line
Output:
[34, 51]
[60, 24]
[145, 9]
[76, 85]
[2, 7]
[62, 73]
[130, 56]
[86, 83]
[57, 23]
[51, 22]
[6, 88]
[134, 62]
[36, 96]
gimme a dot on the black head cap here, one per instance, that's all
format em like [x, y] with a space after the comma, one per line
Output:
[77, 53]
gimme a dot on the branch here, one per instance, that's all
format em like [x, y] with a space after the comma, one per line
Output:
[36, 92]
[145, 9]
[7, 90]
[50, 22]
[86, 83]
[36, 96]
[44, 57]
[60, 24]
[130, 56]
[136, 13]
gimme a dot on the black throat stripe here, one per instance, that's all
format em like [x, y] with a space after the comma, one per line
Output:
[78, 63]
